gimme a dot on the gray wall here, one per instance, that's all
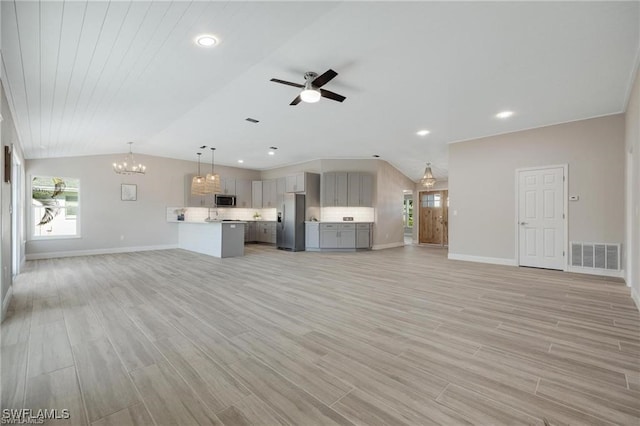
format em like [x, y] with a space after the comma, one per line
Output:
[106, 222]
[632, 151]
[482, 184]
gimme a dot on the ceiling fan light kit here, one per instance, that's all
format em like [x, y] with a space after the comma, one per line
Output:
[310, 96]
[311, 89]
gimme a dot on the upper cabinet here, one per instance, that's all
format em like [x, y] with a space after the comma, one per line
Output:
[196, 200]
[227, 186]
[295, 183]
[243, 193]
[256, 190]
[347, 189]
[269, 193]
[334, 189]
[360, 193]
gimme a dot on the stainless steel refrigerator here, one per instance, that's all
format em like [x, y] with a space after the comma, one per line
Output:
[290, 225]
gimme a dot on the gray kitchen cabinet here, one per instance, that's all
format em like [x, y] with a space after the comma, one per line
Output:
[196, 200]
[335, 188]
[269, 193]
[340, 236]
[249, 232]
[347, 235]
[295, 183]
[227, 186]
[329, 235]
[266, 232]
[243, 193]
[366, 190]
[312, 235]
[363, 235]
[281, 189]
[360, 190]
[256, 194]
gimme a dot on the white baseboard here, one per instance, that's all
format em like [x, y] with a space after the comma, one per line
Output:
[596, 271]
[6, 301]
[636, 297]
[74, 253]
[481, 259]
[387, 246]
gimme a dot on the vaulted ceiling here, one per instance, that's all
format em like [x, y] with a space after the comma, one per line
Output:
[84, 78]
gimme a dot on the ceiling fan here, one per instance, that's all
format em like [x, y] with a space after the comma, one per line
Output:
[312, 91]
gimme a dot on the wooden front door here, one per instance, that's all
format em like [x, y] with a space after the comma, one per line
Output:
[434, 217]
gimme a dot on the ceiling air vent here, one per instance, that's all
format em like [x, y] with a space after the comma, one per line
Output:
[252, 120]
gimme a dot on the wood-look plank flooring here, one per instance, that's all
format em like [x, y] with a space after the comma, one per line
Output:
[395, 337]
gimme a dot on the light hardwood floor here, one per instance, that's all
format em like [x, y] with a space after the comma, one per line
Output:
[397, 337]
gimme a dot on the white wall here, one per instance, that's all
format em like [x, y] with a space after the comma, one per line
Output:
[106, 222]
[389, 227]
[482, 184]
[632, 151]
[8, 137]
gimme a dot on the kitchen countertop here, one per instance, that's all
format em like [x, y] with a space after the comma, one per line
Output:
[210, 222]
[333, 221]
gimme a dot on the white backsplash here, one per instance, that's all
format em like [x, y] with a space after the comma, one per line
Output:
[199, 214]
[359, 214]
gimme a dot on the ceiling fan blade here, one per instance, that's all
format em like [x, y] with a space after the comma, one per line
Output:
[330, 95]
[296, 101]
[323, 79]
[288, 83]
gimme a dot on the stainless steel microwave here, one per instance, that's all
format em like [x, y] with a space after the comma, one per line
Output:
[223, 200]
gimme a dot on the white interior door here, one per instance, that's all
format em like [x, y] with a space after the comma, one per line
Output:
[541, 218]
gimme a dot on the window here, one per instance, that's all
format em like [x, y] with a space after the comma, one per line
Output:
[408, 213]
[432, 199]
[55, 207]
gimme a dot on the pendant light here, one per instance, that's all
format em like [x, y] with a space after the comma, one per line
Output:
[212, 181]
[427, 179]
[197, 183]
[129, 166]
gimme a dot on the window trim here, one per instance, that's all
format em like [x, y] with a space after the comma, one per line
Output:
[31, 218]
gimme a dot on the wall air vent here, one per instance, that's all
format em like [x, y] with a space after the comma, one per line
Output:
[596, 256]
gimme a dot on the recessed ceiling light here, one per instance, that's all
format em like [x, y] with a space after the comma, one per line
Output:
[206, 40]
[504, 114]
[240, 161]
[272, 153]
[423, 132]
[272, 150]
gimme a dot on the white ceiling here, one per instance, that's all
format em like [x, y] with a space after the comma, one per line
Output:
[84, 78]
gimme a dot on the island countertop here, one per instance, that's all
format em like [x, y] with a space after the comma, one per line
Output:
[225, 240]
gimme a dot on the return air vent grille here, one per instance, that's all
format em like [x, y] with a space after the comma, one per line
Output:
[596, 255]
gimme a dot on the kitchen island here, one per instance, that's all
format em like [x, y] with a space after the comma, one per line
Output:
[215, 238]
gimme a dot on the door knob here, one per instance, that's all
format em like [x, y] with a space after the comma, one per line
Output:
[523, 223]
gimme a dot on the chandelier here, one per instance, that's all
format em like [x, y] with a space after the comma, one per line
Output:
[427, 179]
[197, 183]
[129, 166]
[212, 180]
